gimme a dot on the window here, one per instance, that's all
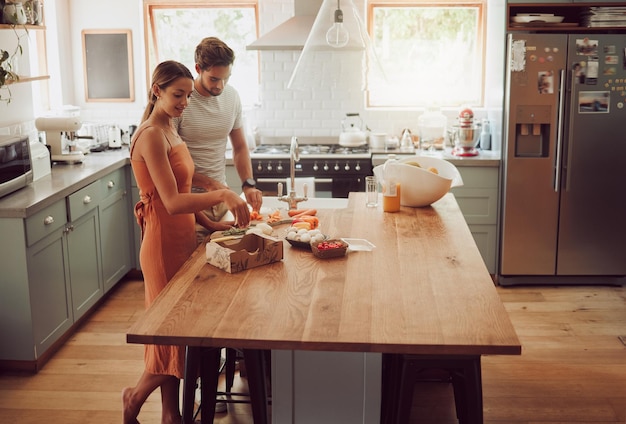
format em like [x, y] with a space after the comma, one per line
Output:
[174, 30]
[432, 52]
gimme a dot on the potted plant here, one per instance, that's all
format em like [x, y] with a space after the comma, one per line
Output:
[6, 74]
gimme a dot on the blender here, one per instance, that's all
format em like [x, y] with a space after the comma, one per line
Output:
[466, 134]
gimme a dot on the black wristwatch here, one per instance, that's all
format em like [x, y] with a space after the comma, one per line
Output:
[248, 183]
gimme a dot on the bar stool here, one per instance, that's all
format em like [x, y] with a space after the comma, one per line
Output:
[401, 372]
[207, 362]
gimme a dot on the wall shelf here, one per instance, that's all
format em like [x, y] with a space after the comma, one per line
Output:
[572, 12]
[27, 28]
[22, 27]
[28, 79]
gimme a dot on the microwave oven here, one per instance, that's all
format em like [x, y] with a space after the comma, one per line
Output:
[16, 170]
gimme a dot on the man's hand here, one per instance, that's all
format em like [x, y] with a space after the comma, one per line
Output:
[254, 197]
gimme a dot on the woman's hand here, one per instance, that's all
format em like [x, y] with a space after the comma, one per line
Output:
[211, 225]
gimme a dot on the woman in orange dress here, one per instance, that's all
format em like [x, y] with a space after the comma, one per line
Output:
[164, 171]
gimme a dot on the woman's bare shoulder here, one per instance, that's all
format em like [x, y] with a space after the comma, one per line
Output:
[149, 137]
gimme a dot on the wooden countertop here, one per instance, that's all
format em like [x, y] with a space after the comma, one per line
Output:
[424, 289]
[61, 182]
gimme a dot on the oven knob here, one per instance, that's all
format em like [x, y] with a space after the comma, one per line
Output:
[357, 167]
[315, 167]
[326, 167]
[279, 167]
[269, 166]
[259, 167]
[336, 167]
[347, 167]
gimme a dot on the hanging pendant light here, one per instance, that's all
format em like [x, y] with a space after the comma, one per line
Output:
[338, 36]
[337, 49]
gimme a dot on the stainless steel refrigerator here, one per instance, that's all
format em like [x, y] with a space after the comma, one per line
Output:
[564, 160]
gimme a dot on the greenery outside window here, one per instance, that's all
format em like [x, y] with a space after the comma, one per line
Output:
[432, 52]
[174, 29]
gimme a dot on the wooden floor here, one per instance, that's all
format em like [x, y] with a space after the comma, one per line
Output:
[572, 369]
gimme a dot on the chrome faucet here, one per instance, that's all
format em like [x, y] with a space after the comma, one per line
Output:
[292, 199]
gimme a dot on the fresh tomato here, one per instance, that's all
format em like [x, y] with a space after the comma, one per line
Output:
[326, 245]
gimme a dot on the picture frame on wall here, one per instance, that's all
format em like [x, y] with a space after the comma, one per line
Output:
[108, 65]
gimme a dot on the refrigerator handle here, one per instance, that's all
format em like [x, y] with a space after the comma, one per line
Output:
[559, 131]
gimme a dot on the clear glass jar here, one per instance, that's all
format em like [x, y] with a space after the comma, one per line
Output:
[432, 129]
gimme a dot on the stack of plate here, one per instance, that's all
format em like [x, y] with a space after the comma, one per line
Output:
[548, 18]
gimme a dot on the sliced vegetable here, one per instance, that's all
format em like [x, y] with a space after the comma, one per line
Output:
[274, 216]
[301, 225]
[313, 221]
[297, 212]
[255, 216]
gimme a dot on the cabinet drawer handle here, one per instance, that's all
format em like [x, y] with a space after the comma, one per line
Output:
[111, 184]
[49, 220]
[86, 199]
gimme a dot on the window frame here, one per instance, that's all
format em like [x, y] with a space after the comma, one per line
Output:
[149, 31]
[481, 40]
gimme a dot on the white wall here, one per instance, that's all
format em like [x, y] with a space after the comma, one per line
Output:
[282, 112]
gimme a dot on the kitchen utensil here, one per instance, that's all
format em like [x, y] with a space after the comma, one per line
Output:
[431, 127]
[406, 143]
[115, 137]
[377, 140]
[466, 134]
[421, 186]
[353, 133]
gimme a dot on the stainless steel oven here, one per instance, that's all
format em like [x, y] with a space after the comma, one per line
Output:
[16, 169]
[336, 170]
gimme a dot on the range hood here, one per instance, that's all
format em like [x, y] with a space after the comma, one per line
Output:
[291, 34]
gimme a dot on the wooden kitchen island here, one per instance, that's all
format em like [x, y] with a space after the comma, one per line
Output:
[424, 290]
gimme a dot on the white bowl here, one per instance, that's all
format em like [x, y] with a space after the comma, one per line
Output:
[418, 186]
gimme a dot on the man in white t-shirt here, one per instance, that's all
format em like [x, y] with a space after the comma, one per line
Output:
[213, 115]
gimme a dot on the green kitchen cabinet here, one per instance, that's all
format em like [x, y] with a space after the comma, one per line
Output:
[51, 275]
[478, 200]
[59, 263]
[39, 297]
[115, 227]
[83, 251]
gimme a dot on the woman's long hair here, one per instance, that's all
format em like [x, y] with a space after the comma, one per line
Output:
[164, 74]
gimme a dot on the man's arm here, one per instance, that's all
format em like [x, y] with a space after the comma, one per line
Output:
[208, 183]
[243, 165]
